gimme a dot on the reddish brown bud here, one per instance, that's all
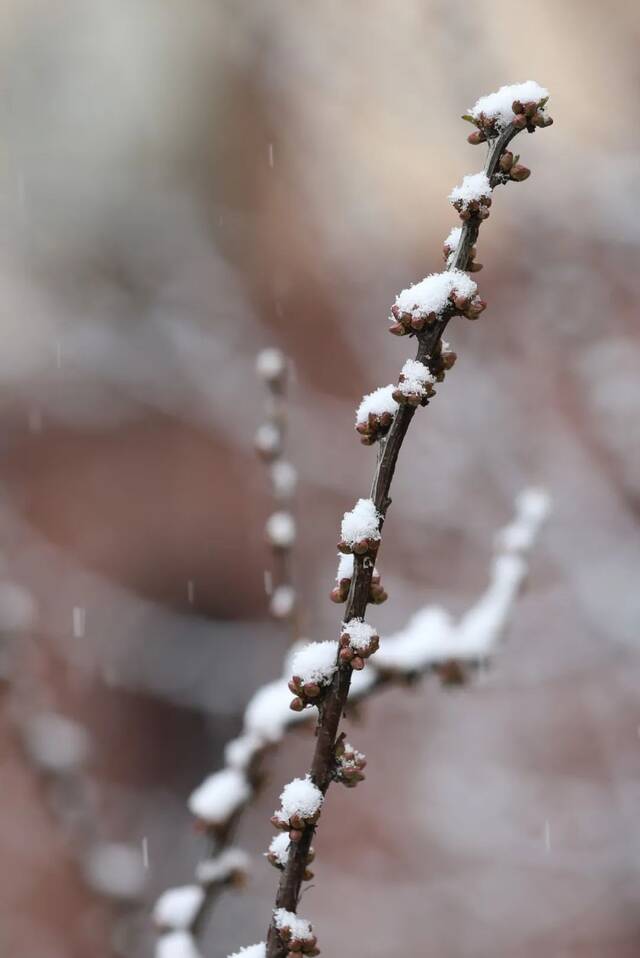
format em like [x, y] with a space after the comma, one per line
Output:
[296, 704]
[337, 595]
[476, 137]
[346, 655]
[519, 122]
[519, 173]
[357, 663]
[506, 161]
[397, 329]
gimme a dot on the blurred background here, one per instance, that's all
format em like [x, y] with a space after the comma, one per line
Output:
[182, 185]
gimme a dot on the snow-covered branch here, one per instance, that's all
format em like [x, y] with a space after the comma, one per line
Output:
[430, 642]
[423, 310]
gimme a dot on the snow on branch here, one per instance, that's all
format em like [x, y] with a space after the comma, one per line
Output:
[424, 311]
[430, 641]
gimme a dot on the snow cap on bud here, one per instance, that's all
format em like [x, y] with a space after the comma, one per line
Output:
[281, 530]
[271, 365]
[300, 804]
[268, 441]
[521, 105]
[295, 933]
[428, 300]
[313, 668]
[360, 529]
[375, 414]
[415, 384]
[472, 198]
[358, 640]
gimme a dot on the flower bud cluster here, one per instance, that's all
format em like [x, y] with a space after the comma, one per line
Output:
[295, 934]
[360, 529]
[350, 764]
[521, 105]
[340, 592]
[510, 169]
[300, 804]
[313, 669]
[278, 854]
[375, 414]
[415, 384]
[473, 197]
[358, 640]
[449, 293]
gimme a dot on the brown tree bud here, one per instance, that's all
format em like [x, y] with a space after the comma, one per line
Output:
[397, 329]
[476, 137]
[519, 173]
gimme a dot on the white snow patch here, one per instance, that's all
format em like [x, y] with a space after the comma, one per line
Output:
[251, 951]
[267, 438]
[270, 364]
[229, 862]
[239, 752]
[284, 478]
[268, 712]
[219, 796]
[279, 847]
[474, 186]
[345, 566]
[283, 601]
[316, 662]
[298, 927]
[56, 743]
[177, 908]
[416, 377]
[361, 523]
[281, 530]
[425, 639]
[378, 402]
[360, 634]
[431, 295]
[498, 104]
[453, 239]
[177, 944]
[115, 870]
[533, 506]
[301, 797]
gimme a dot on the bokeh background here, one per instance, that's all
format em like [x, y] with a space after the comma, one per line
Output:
[182, 185]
